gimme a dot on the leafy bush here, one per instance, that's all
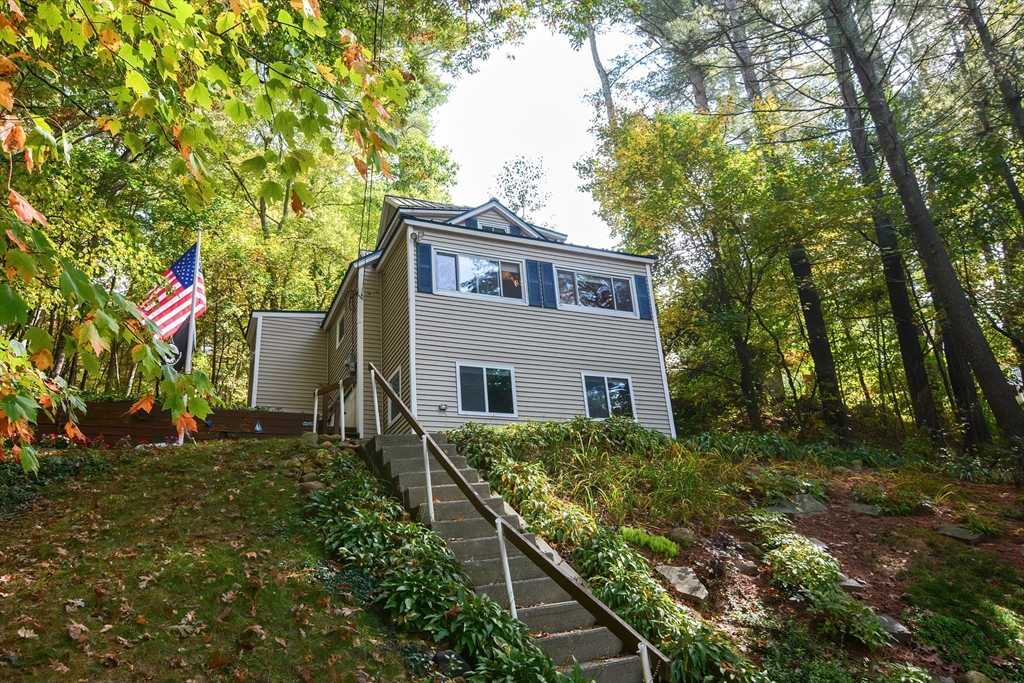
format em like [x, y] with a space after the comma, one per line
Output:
[421, 585]
[894, 500]
[657, 544]
[806, 572]
[772, 484]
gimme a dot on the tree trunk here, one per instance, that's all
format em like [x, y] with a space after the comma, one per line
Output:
[825, 377]
[922, 400]
[1011, 97]
[963, 324]
[606, 84]
[695, 74]
[969, 411]
[740, 46]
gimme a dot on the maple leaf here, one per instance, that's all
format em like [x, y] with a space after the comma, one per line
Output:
[185, 423]
[21, 206]
[7, 67]
[74, 604]
[144, 404]
[73, 432]
[360, 166]
[110, 40]
[297, 206]
[43, 360]
[6, 95]
[30, 163]
[14, 139]
[381, 110]
[325, 72]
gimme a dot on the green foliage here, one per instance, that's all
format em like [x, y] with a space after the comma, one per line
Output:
[421, 584]
[896, 500]
[657, 544]
[772, 483]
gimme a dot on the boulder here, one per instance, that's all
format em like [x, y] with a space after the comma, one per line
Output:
[755, 552]
[961, 534]
[974, 677]
[869, 510]
[312, 476]
[900, 633]
[744, 566]
[944, 679]
[683, 536]
[309, 439]
[311, 486]
[332, 438]
[818, 543]
[685, 582]
[801, 504]
[851, 585]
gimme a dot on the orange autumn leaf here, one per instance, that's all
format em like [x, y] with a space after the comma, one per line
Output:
[73, 432]
[24, 210]
[42, 359]
[384, 167]
[144, 404]
[359, 139]
[30, 162]
[360, 166]
[379, 106]
[14, 238]
[297, 206]
[45, 401]
[7, 67]
[185, 424]
[6, 96]
[15, 10]
[14, 139]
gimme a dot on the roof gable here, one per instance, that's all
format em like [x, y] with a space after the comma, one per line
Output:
[496, 212]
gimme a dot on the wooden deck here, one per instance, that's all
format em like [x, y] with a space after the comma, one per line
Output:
[109, 422]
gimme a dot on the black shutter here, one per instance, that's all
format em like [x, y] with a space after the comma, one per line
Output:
[515, 230]
[424, 268]
[533, 288]
[643, 297]
[473, 223]
[547, 275]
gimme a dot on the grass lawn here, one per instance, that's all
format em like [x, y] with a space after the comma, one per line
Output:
[178, 564]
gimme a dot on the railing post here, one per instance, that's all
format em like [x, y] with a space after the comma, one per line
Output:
[316, 406]
[430, 487]
[376, 403]
[645, 662]
[499, 523]
[341, 409]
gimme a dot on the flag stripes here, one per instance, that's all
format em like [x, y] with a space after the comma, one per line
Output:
[168, 305]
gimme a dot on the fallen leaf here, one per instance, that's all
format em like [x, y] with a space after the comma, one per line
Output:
[77, 631]
[27, 633]
[144, 581]
[106, 627]
[228, 597]
[363, 677]
[218, 660]
[280, 641]
[225, 613]
[73, 604]
[58, 666]
[304, 674]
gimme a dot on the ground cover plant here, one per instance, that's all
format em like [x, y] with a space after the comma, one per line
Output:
[656, 544]
[422, 585]
[181, 563]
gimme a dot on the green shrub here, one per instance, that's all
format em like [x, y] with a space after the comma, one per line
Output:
[772, 484]
[657, 544]
[894, 500]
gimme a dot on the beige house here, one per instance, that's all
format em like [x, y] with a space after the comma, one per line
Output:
[472, 314]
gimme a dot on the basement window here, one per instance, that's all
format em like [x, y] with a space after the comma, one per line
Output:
[607, 395]
[486, 390]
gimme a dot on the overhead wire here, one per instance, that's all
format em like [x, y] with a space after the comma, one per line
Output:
[375, 47]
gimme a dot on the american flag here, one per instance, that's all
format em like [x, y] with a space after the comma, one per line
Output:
[168, 305]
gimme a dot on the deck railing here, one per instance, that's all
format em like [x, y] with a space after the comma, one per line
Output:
[604, 616]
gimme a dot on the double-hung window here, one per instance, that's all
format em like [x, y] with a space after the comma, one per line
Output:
[486, 390]
[606, 396]
[595, 291]
[476, 275]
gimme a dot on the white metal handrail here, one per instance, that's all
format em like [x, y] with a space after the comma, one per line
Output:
[498, 526]
[430, 485]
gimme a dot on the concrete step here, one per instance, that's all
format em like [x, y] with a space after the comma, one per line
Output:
[393, 468]
[473, 527]
[414, 496]
[529, 592]
[407, 480]
[459, 509]
[484, 572]
[581, 646]
[556, 618]
[382, 441]
[467, 550]
[411, 453]
[614, 670]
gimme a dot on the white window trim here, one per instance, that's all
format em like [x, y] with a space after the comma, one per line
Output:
[486, 367]
[391, 383]
[339, 331]
[483, 297]
[604, 374]
[635, 313]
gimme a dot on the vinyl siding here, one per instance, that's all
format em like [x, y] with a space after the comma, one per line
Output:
[549, 348]
[371, 345]
[394, 325]
[293, 361]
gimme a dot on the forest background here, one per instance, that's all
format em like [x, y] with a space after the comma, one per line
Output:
[832, 189]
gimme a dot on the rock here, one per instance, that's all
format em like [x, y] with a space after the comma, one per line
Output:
[801, 504]
[307, 469]
[312, 476]
[869, 510]
[960, 534]
[309, 438]
[745, 567]
[450, 663]
[685, 582]
[311, 486]
[851, 585]
[332, 438]
[818, 543]
[807, 504]
[944, 679]
[974, 677]
[898, 631]
[293, 464]
[755, 552]
[857, 465]
[683, 536]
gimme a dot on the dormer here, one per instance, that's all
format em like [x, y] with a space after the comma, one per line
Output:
[497, 218]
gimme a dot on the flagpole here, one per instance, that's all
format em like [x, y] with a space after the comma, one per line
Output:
[192, 317]
[192, 307]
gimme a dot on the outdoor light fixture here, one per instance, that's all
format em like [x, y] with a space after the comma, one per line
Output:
[443, 406]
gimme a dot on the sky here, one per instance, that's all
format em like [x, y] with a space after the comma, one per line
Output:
[532, 105]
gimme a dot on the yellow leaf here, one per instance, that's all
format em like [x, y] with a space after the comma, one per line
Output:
[42, 359]
[325, 72]
[110, 40]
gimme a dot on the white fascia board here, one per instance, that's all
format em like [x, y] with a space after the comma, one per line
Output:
[497, 206]
[556, 246]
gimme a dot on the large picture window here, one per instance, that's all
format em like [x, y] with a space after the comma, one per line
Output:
[486, 390]
[595, 291]
[476, 275]
[606, 395]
